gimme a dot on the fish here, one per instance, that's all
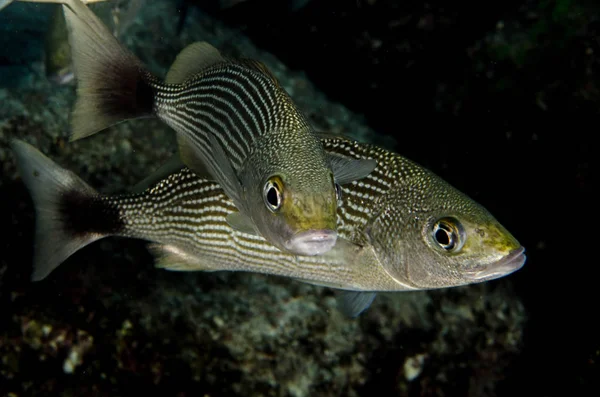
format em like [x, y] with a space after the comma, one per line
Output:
[6, 3]
[402, 228]
[57, 52]
[234, 123]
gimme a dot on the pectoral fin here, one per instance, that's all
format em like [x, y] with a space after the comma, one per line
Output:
[170, 257]
[212, 163]
[241, 222]
[353, 303]
[346, 170]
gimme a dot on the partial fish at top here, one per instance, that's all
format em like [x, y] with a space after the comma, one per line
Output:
[4, 3]
[402, 228]
[235, 124]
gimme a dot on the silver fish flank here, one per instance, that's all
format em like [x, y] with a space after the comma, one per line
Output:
[402, 228]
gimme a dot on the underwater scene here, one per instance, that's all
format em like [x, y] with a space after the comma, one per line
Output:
[298, 198]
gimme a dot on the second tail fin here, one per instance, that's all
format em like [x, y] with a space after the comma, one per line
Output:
[65, 206]
[112, 84]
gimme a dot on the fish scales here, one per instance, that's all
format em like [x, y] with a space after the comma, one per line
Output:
[402, 228]
[189, 212]
[232, 102]
[235, 124]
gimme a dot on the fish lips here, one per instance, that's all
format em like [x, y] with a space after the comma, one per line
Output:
[312, 242]
[509, 264]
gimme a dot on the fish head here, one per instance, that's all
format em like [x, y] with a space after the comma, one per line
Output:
[429, 235]
[298, 221]
[292, 193]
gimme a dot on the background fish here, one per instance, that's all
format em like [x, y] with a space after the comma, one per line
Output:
[4, 3]
[402, 228]
[235, 124]
[57, 52]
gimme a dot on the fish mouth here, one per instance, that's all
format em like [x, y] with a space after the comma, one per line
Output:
[509, 264]
[312, 242]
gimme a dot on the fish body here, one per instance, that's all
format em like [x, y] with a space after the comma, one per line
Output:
[402, 228]
[234, 122]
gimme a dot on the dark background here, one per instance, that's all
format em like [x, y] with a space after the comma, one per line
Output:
[499, 98]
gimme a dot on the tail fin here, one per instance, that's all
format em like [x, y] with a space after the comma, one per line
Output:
[61, 200]
[112, 84]
[4, 3]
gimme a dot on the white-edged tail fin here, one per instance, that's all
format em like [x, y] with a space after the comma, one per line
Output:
[4, 3]
[52, 189]
[112, 84]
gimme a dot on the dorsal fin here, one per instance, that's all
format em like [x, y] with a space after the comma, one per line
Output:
[255, 65]
[192, 60]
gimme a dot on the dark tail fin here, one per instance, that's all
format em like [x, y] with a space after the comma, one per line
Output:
[64, 205]
[112, 84]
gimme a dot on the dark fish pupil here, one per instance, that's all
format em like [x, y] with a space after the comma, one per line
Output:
[444, 237]
[272, 196]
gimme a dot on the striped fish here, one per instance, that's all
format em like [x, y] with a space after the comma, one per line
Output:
[401, 228]
[235, 124]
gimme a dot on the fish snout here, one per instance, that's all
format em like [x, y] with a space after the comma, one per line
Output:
[312, 242]
[509, 264]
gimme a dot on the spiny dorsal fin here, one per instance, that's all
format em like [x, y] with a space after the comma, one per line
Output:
[321, 134]
[192, 60]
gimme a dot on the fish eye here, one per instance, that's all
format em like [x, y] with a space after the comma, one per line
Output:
[448, 234]
[272, 193]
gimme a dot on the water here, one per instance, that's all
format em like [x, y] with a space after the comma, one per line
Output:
[498, 99]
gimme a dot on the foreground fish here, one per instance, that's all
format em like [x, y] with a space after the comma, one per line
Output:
[402, 228]
[235, 124]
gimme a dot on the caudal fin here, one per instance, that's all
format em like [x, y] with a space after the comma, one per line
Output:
[112, 84]
[62, 205]
[4, 3]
